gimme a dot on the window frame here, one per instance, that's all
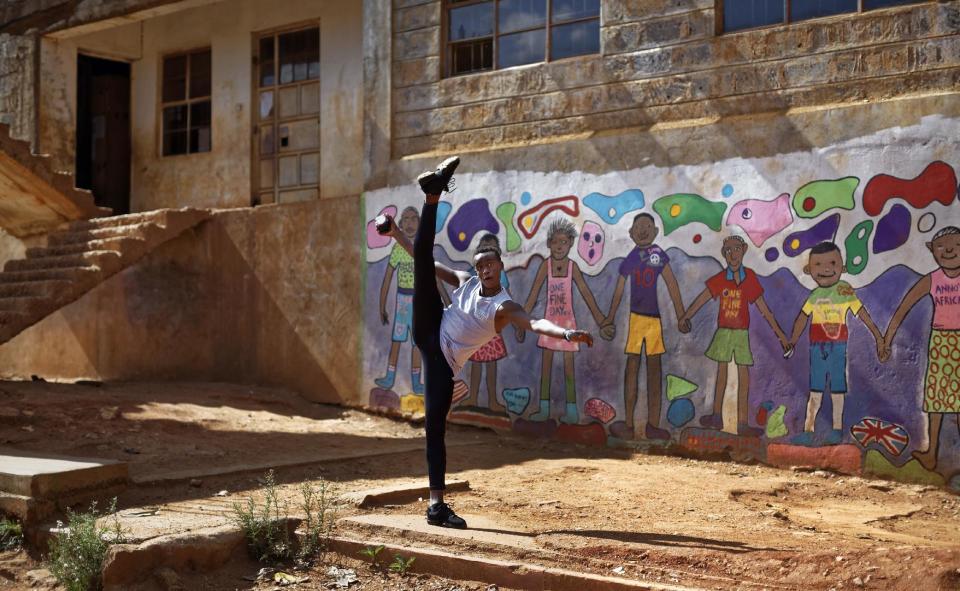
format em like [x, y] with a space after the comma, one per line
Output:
[719, 12]
[187, 101]
[446, 45]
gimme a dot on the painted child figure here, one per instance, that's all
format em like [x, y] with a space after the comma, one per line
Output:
[401, 264]
[941, 390]
[643, 266]
[488, 355]
[736, 287]
[560, 274]
[828, 305]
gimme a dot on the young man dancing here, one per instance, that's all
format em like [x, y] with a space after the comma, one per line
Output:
[480, 308]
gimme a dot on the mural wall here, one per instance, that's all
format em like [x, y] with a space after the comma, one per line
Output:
[802, 308]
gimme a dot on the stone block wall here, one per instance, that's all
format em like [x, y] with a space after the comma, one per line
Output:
[16, 84]
[662, 61]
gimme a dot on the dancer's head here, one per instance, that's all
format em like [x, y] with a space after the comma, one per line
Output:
[487, 262]
[644, 229]
[945, 247]
[825, 264]
[560, 238]
[733, 249]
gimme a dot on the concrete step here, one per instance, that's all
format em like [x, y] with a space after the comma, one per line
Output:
[155, 217]
[100, 258]
[23, 303]
[43, 289]
[115, 244]
[79, 273]
[66, 237]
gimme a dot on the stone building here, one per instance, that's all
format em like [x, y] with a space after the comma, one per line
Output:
[786, 124]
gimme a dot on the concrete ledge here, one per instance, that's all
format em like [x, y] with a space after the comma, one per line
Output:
[405, 493]
[515, 575]
[51, 476]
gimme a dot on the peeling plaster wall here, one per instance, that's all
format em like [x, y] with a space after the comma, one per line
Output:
[252, 295]
[695, 206]
[222, 177]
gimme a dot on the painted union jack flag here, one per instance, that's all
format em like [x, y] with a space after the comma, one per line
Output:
[891, 437]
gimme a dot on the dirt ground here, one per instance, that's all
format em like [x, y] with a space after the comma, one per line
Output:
[702, 524]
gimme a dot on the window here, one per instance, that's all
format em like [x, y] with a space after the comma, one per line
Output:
[487, 34]
[750, 14]
[185, 103]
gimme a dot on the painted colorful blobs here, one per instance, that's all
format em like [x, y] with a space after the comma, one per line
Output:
[680, 209]
[505, 213]
[893, 230]
[761, 219]
[856, 247]
[531, 219]
[472, 217]
[443, 212]
[612, 208]
[937, 182]
[798, 242]
[813, 199]
[592, 241]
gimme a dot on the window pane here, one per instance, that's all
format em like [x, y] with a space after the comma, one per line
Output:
[804, 9]
[471, 21]
[871, 4]
[575, 39]
[299, 54]
[200, 140]
[175, 143]
[522, 48]
[200, 114]
[472, 56]
[567, 10]
[746, 14]
[200, 74]
[174, 118]
[266, 62]
[175, 78]
[516, 15]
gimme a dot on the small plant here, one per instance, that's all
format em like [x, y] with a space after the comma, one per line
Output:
[11, 534]
[401, 565]
[265, 525]
[77, 551]
[320, 511]
[373, 553]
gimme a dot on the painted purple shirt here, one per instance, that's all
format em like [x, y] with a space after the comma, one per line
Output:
[642, 267]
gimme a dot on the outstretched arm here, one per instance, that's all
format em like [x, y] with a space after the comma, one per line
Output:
[615, 300]
[513, 313]
[587, 295]
[916, 293]
[798, 325]
[882, 353]
[445, 273]
[772, 321]
[684, 323]
[673, 288]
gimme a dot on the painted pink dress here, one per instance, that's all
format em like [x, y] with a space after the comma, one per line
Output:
[559, 309]
[941, 392]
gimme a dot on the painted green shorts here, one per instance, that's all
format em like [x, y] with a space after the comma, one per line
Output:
[730, 344]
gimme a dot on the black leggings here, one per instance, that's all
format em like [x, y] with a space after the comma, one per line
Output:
[427, 314]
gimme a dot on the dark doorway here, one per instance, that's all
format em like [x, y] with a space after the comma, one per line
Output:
[103, 131]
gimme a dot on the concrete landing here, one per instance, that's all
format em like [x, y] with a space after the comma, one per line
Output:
[481, 529]
[404, 493]
[31, 484]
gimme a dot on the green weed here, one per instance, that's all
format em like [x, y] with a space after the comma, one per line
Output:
[78, 550]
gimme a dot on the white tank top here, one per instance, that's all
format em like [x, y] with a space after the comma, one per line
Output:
[469, 322]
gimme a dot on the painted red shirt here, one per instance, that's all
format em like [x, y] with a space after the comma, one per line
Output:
[735, 299]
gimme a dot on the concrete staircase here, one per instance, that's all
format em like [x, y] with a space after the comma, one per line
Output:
[79, 257]
[36, 197]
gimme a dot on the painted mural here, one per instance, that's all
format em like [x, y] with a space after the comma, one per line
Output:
[799, 310]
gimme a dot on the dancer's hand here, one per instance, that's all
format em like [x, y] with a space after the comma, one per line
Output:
[883, 351]
[384, 317]
[581, 336]
[521, 334]
[683, 325]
